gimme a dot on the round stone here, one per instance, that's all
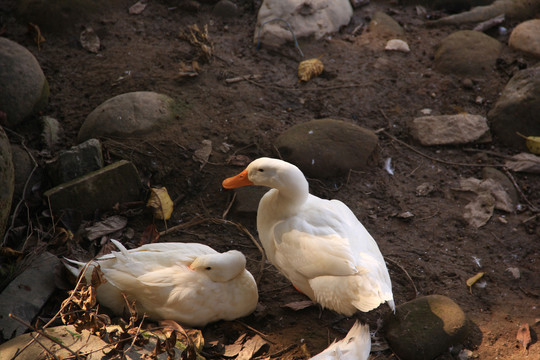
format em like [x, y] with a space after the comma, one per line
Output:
[426, 327]
[326, 147]
[467, 53]
[24, 90]
[130, 114]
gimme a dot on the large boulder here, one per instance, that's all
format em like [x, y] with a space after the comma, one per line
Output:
[526, 37]
[307, 18]
[130, 114]
[467, 53]
[517, 109]
[327, 147]
[426, 327]
[7, 178]
[24, 90]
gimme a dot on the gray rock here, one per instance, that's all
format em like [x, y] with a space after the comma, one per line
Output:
[23, 166]
[77, 161]
[526, 37]
[327, 147]
[7, 178]
[314, 18]
[426, 327]
[467, 53]
[24, 90]
[450, 129]
[51, 133]
[248, 197]
[130, 114]
[98, 190]
[517, 109]
[225, 9]
[25, 296]
[383, 26]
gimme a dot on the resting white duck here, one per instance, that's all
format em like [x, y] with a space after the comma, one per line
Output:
[355, 346]
[319, 245]
[187, 282]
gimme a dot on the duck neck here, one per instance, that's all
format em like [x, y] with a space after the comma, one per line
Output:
[293, 195]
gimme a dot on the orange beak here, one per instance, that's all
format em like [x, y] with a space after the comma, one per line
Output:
[237, 181]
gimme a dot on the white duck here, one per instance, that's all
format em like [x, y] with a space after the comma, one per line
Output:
[186, 282]
[319, 245]
[355, 346]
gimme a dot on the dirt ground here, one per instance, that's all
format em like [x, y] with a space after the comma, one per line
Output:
[361, 84]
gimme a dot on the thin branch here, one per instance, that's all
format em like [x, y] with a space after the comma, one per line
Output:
[406, 273]
[264, 336]
[386, 133]
[531, 206]
[226, 222]
[51, 338]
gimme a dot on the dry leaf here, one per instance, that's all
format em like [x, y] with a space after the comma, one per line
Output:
[89, 40]
[472, 280]
[308, 69]
[202, 154]
[38, 37]
[238, 160]
[532, 143]
[200, 40]
[524, 162]
[478, 212]
[149, 235]
[491, 187]
[161, 203]
[299, 305]
[137, 8]
[251, 347]
[107, 226]
[524, 335]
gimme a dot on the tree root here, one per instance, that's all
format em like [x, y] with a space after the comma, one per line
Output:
[512, 9]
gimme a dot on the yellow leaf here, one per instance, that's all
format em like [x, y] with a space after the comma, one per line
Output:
[472, 280]
[309, 68]
[161, 203]
[532, 143]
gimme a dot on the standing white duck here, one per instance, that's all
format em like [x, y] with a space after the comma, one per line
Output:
[187, 282]
[355, 346]
[319, 245]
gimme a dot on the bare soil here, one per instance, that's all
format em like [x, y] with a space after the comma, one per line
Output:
[361, 84]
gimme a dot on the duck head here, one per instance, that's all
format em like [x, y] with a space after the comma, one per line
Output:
[273, 173]
[220, 267]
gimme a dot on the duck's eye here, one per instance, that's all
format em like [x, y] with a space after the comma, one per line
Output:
[208, 268]
[261, 170]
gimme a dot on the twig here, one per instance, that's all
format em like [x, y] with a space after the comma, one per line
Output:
[35, 338]
[277, 354]
[16, 211]
[16, 318]
[136, 334]
[433, 158]
[246, 231]
[226, 222]
[242, 78]
[488, 24]
[226, 212]
[406, 273]
[288, 26]
[337, 87]
[81, 276]
[531, 206]
[265, 337]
